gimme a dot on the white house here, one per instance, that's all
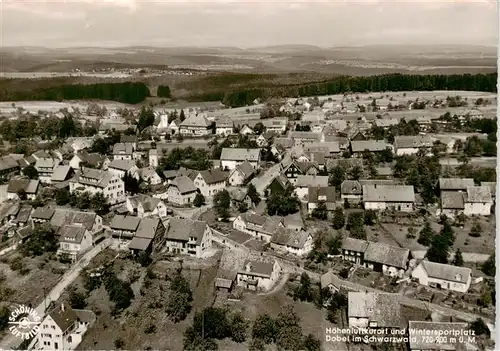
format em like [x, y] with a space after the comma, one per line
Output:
[258, 275]
[443, 276]
[224, 126]
[149, 175]
[153, 158]
[96, 181]
[262, 227]
[195, 125]
[231, 157]
[188, 237]
[66, 216]
[95, 160]
[277, 125]
[63, 328]
[17, 187]
[395, 197]
[246, 130]
[298, 243]
[304, 182]
[123, 151]
[181, 191]
[476, 200]
[374, 310]
[241, 174]
[121, 167]
[410, 144]
[74, 239]
[45, 168]
[351, 190]
[210, 182]
[325, 195]
[144, 206]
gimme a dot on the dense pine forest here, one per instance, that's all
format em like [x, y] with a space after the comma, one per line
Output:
[136, 92]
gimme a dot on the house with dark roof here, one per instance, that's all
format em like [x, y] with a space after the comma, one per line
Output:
[292, 168]
[124, 227]
[240, 198]
[476, 200]
[66, 216]
[9, 165]
[210, 182]
[61, 173]
[298, 243]
[63, 328]
[149, 236]
[195, 124]
[74, 239]
[224, 126]
[232, 157]
[321, 194]
[241, 174]
[374, 310]
[181, 191]
[142, 205]
[455, 184]
[359, 146]
[45, 168]
[304, 182]
[22, 186]
[394, 197]
[149, 175]
[279, 184]
[94, 160]
[387, 259]
[261, 227]
[120, 167]
[188, 237]
[443, 276]
[258, 275]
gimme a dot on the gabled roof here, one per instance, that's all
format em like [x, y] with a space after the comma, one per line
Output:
[64, 216]
[452, 200]
[257, 268]
[93, 159]
[370, 145]
[93, 177]
[147, 202]
[29, 186]
[184, 185]
[262, 224]
[387, 254]
[290, 238]
[45, 213]
[72, 233]
[122, 165]
[355, 245]
[213, 176]
[315, 193]
[382, 308]
[60, 173]
[128, 138]
[238, 154]
[388, 193]
[412, 141]
[330, 278]
[311, 181]
[245, 169]
[194, 120]
[305, 135]
[478, 194]
[351, 187]
[123, 149]
[446, 272]
[455, 183]
[129, 223]
[181, 229]
[64, 316]
[7, 162]
[147, 228]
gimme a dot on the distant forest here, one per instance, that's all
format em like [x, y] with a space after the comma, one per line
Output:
[136, 92]
[128, 92]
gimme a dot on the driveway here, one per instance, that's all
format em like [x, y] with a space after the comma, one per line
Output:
[12, 342]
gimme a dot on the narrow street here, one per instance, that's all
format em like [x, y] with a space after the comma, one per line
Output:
[13, 342]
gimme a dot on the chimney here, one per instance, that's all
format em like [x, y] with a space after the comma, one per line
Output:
[248, 267]
[62, 307]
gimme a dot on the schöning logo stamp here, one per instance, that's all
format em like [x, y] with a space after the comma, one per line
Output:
[24, 322]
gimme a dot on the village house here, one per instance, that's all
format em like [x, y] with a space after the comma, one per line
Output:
[493, 188]
[153, 158]
[410, 144]
[61, 173]
[321, 194]
[232, 157]
[149, 237]
[120, 167]
[8, 165]
[261, 227]
[330, 281]
[142, 205]
[301, 138]
[374, 310]
[455, 184]
[74, 239]
[181, 191]
[63, 328]
[124, 227]
[279, 184]
[45, 168]
[298, 243]
[21, 187]
[265, 139]
[389, 260]
[195, 125]
[394, 197]
[258, 275]
[246, 130]
[281, 145]
[129, 139]
[241, 174]
[292, 168]
[59, 217]
[149, 175]
[188, 237]
[277, 125]
[304, 182]
[210, 182]
[476, 200]
[224, 126]
[42, 215]
[329, 148]
[351, 191]
[123, 151]
[94, 160]
[443, 276]
[359, 146]
[99, 182]
[240, 198]
[174, 126]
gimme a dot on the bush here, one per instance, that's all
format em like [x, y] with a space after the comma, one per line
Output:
[119, 343]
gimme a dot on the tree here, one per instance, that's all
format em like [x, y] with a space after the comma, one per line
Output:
[265, 329]
[476, 230]
[438, 250]
[320, 211]
[488, 266]
[257, 345]
[304, 291]
[458, 259]
[356, 172]
[337, 176]
[62, 196]
[222, 202]
[259, 128]
[199, 200]
[99, 204]
[338, 218]
[178, 306]
[182, 116]
[426, 234]
[146, 118]
[212, 323]
[289, 329]
[311, 343]
[163, 91]
[282, 203]
[42, 240]
[77, 300]
[30, 172]
[334, 245]
[238, 327]
[131, 183]
[4, 317]
[253, 194]
[370, 217]
[480, 327]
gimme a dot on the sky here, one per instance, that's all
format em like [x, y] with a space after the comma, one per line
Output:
[108, 23]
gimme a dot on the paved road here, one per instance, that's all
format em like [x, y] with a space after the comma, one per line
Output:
[12, 342]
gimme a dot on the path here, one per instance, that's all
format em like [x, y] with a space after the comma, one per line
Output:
[12, 342]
